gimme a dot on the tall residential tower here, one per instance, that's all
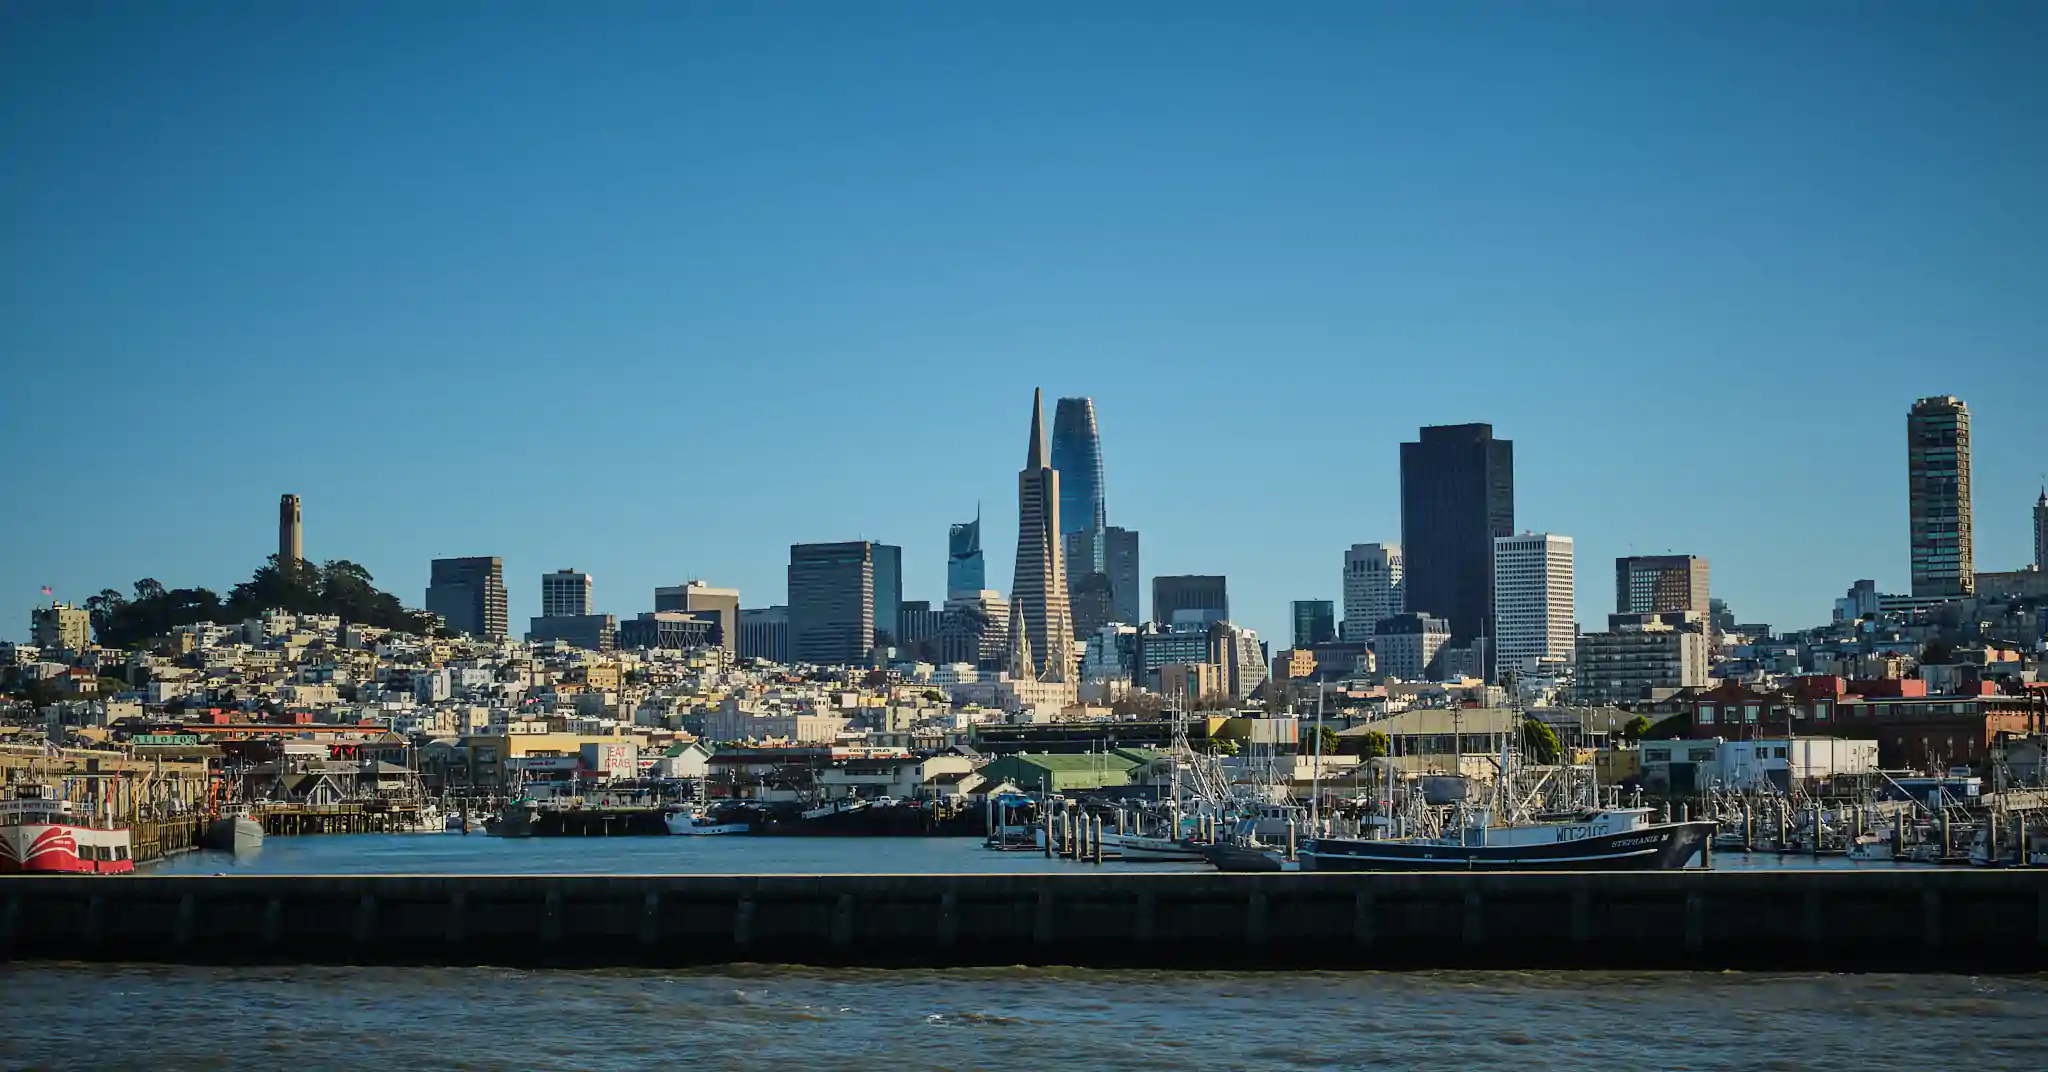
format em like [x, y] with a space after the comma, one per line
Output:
[1038, 595]
[1938, 498]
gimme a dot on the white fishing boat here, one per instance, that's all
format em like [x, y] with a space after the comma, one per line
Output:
[697, 822]
[1149, 848]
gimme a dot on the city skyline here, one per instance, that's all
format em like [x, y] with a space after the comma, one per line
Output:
[1619, 230]
[1589, 608]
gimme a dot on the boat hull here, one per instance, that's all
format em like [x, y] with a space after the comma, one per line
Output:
[1245, 858]
[1663, 847]
[237, 833]
[64, 849]
[1136, 848]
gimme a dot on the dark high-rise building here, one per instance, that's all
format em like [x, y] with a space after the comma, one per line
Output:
[888, 595]
[469, 594]
[1659, 584]
[1190, 597]
[1120, 551]
[1938, 498]
[1038, 593]
[291, 531]
[966, 572]
[1457, 496]
[1315, 622]
[831, 602]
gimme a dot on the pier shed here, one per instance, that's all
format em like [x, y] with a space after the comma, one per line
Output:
[1039, 772]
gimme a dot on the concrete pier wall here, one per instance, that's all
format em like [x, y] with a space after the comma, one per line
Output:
[1905, 920]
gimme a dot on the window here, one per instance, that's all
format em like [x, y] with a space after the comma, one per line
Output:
[1749, 712]
[1778, 752]
[1700, 755]
[1820, 711]
[1706, 714]
[1656, 755]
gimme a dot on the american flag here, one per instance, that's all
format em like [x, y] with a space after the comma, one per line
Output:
[47, 592]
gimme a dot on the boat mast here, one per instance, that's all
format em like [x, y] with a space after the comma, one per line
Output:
[1315, 797]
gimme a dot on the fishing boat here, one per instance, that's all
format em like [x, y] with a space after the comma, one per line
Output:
[235, 829]
[1603, 839]
[696, 822]
[40, 833]
[1872, 848]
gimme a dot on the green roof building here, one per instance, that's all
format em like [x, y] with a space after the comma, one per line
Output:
[1062, 773]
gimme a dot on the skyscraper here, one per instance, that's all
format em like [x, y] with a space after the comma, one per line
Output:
[1938, 497]
[888, 595]
[1120, 554]
[1457, 496]
[1374, 589]
[1193, 597]
[2041, 531]
[291, 531]
[1533, 589]
[564, 593]
[1315, 621]
[831, 602]
[469, 595]
[1038, 595]
[1077, 454]
[966, 573]
[1658, 584]
[1084, 514]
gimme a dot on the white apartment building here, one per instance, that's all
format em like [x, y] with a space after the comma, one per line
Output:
[1532, 601]
[1373, 588]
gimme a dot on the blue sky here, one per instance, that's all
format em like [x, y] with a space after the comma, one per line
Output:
[655, 290]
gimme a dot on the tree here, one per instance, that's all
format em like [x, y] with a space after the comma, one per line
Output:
[1329, 742]
[1541, 742]
[1937, 653]
[1374, 745]
[1635, 728]
[1669, 729]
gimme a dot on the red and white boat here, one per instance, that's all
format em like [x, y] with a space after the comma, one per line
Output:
[39, 833]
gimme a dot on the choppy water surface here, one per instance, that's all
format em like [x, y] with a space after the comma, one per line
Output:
[100, 1017]
[427, 854]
